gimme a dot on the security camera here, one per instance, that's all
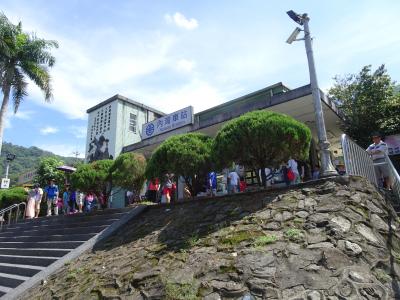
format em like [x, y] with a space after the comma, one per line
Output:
[294, 35]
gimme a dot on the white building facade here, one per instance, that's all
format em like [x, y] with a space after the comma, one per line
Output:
[114, 124]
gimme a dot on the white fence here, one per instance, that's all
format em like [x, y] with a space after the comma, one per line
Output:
[395, 178]
[357, 160]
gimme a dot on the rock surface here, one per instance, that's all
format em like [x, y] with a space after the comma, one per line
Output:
[328, 241]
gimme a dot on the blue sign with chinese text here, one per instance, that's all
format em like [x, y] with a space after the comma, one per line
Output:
[167, 123]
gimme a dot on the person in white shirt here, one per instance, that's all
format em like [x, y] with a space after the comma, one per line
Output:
[378, 150]
[267, 173]
[292, 165]
[234, 181]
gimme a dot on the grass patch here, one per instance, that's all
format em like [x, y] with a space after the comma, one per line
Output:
[265, 240]
[294, 234]
[227, 269]
[381, 276]
[181, 291]
[72, 274]
[237, 237]
[145, 202]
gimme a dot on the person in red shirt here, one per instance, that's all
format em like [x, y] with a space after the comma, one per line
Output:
[242, 184]
[154, 186]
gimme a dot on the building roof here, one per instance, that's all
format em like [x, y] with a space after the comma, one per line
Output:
[125, 99]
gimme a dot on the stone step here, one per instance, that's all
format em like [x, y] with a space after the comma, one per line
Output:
[27, 260]
[49, 238]
[68, 219]
[4, 290]
[12, 281]
[57, 231]
[22, 270]
[35, 252]
[16, 227]
[41, 245]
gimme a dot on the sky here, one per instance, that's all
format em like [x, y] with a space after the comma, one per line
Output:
[172, 54]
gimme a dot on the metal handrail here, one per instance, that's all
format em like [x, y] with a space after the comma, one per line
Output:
[394, 176]
[357, 161]
[10, 210]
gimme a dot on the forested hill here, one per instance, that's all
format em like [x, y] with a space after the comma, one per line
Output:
[26, 159]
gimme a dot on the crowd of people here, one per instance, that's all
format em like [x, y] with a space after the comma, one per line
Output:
[70, 201]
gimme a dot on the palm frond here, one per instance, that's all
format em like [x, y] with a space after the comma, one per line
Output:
[36, 50]
[19, 89]
[40, 76]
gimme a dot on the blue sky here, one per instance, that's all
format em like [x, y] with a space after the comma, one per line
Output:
[171, 54]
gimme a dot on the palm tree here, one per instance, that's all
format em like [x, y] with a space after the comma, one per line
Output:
[22, 56]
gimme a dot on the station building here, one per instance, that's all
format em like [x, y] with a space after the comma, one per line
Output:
[297, 103]
[114, 124]
[119, 124]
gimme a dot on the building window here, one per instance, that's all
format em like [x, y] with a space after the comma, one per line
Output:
[132, 122]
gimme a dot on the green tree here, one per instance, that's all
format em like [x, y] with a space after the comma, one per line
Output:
[368, 102]
[95, 177]
[187, 155]
[260, 139]
[48, 170]
[128, 171]
[22, 55]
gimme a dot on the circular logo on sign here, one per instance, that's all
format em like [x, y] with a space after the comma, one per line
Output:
[149, 129]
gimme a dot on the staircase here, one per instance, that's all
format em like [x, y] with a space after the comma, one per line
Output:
[31, 246]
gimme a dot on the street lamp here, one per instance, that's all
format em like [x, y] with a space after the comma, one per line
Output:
[327, 168]
[9, 158]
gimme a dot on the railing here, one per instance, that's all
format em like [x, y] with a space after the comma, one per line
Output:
[357, 161]
[6, 214]
[394, 177]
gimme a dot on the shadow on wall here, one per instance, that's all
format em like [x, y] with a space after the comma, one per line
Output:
[177, 226]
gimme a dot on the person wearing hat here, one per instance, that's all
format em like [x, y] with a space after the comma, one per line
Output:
[378, 149]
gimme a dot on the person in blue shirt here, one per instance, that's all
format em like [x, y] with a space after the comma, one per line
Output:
[51, 195]
[212, 183]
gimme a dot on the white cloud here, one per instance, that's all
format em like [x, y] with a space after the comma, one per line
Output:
[48, 130]
[78, 131]
[82, 79]
[63, 149]
[24, 114]
[7, 123]
[185, 66]
[198, 93]
[181, 21]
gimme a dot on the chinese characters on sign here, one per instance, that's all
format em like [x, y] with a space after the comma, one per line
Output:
[167, 123]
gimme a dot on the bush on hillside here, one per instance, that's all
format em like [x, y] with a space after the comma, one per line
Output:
[187, 155]
[128, 171]
[260, 139]
[12, 196]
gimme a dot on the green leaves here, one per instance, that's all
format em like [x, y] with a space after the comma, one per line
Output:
[48, 170]
[94, 177]
[128, 171]
[368, 102]
[187, 155]
[261, 138]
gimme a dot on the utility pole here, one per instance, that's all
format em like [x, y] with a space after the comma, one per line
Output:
[5, 182]
[327, 168]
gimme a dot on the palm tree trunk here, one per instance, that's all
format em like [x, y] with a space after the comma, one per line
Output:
[3, 111]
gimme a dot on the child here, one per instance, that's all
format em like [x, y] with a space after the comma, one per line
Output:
[242, 184]
[66, 199]
[59, 204]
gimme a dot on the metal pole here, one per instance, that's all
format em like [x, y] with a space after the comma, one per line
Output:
[7, 169]
[327, 168]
